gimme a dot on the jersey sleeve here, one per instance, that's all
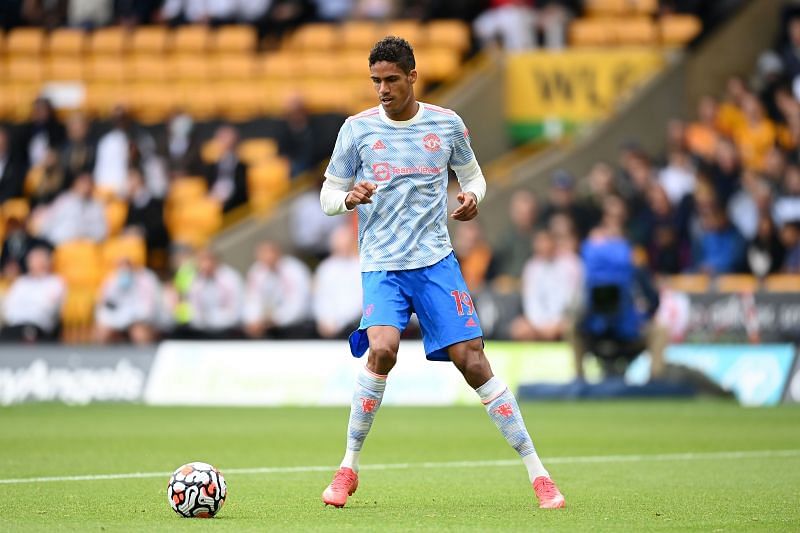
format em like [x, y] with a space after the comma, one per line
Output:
[345, 159]
[464, 164]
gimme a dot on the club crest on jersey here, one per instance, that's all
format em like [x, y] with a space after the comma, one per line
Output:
[381, 171]
[379, 145]
[432, 142]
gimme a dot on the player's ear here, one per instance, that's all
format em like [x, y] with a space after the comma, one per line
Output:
[412, 76]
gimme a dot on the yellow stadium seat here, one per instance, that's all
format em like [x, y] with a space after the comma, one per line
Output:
[20, 97]
[112, 41]
[315, 36]
[453, 34]
[18, 208]
[644, 7]
[678, 30]
[66, 42]
[2, 42]
[195, 222]
[78, 262]
[231, 67]
[608, 7]
[240, 101]
[360, 35]
[410, 30]
[191, 68]
[125, 247]
[77, 314]
[235, 39]
[25, 70]
[65, 69]
[210, 152]
[150, 68]
[636, 31]
[690, 283]
[149, 40]
[25, 42]
[592, 32]
[782, 283]
[316, 65]
[736, 283]
[102, 98]
[108, 70]
[267, 183]
[354, 64]
[439, 64]
[191, 39]
[282, 65]
[257, 150]
[275, 95]
[186, 189]
[116, 213]
[201, 100]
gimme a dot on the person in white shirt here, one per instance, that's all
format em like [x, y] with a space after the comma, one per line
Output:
[551, 286]
[74, 214]
[337, 287]
[215, 299]
[129, 305]
[32, 305]
[278, 295]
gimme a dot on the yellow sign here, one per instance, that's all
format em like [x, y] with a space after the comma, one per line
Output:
[574, 85]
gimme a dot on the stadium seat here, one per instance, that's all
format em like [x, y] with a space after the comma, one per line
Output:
[150, 40]
[20, 97]
[591, 32]
[314, 65]
[354, 64]
[195, 222]
[25, 42]
[78, 262]
[200, 99]
[782, 283]
[66, 42]
[18, 208]
[257, 150]
[596, 8]
[77, 314]
[267, 182]
[736, 283]
[103, 97]
[314, 37]
[240, 101]
[644, 7]
[131, 247]
[186, 189]
[191, 68]
[116, 212]
[438, 64]
[454, 34]
[191, 39]
[65, 69]
[150, 68]
[410, 30]
[235, 67]
[25, 70]
[282, 65]
[636, 31]
[690, 283]
[108, 70]
[112, 41]
[678, 30]
[321, 96]
[235, 39]
[360, 35]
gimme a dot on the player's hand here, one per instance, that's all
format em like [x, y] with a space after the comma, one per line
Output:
[361, 194]
[468, 208]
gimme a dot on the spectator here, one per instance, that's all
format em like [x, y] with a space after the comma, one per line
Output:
[602, 184]
[310, 227]
[90, 13]
[787, 206]
[725, 171]
[296, 139]
[43, 132]
[180, 147]
[215, 298]
[550, 291]
[678, 177]
[78, 153]
[134, 12]
[791, 51]
[562, 228]
[114, 155]
[47, 180]
[278, 295]
[337, 299]
[75, 214]
[730, 117]
[511, 23]
[48, 13]
[702, 135]
[640, 175]
[756, 135]
[32, 304]
[790, 238]
[177, 12]
[617, 322]
[282, 17]
[227, 178]
[718, 248]
[746, 206]
[473, 254]
[514, 248]
[374, 9]
[765, 253]
[145, 213]
[667, 247]
[561, 199]
[334, 10]
[16, 247]
[12, 170]
[129, 306]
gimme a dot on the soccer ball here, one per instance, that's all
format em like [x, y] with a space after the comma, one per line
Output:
[197, 490]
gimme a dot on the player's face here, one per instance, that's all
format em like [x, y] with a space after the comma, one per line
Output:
[395, 89]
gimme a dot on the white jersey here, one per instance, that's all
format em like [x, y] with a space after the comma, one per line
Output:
[405, 226]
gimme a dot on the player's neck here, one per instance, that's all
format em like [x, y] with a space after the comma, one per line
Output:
[407, 113]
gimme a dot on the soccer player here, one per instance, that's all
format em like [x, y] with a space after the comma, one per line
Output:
[390, 164]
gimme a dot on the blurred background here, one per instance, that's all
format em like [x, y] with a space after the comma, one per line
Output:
[160, 164]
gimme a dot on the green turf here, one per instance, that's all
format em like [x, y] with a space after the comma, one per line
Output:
[721, 494]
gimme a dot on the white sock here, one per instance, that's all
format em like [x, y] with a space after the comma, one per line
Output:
[367, 397]
[350, 460]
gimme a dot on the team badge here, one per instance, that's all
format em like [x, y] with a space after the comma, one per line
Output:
[432, 142]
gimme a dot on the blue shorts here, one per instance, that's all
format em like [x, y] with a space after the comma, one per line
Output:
[437, 293]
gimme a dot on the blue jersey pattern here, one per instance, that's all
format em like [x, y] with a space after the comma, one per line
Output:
[406, 225]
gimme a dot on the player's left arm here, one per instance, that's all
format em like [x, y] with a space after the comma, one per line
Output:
[469, 174]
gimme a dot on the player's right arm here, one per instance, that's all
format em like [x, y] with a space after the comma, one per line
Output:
[338, 194]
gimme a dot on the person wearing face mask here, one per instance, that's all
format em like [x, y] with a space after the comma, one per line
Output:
[129, 307]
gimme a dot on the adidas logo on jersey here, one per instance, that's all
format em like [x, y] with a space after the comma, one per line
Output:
[378, 145]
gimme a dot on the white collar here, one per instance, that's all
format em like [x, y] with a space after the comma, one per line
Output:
[401, 123]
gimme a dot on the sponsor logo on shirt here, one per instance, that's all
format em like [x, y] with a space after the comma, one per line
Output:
[432, 142]
[381, 171]
[384, 171]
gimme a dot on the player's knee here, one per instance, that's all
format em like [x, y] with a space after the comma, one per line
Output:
[383, 356]
[471, 361]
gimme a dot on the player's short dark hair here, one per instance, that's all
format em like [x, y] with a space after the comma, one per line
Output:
[393, 50]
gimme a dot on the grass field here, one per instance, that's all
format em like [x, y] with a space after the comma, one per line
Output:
[615, 462]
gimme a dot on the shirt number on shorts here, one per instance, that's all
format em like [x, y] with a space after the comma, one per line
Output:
[463, 299]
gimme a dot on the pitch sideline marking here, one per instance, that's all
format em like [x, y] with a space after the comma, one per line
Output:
[597, 459]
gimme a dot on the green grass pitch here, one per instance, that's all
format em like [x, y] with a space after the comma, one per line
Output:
[644, 488]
